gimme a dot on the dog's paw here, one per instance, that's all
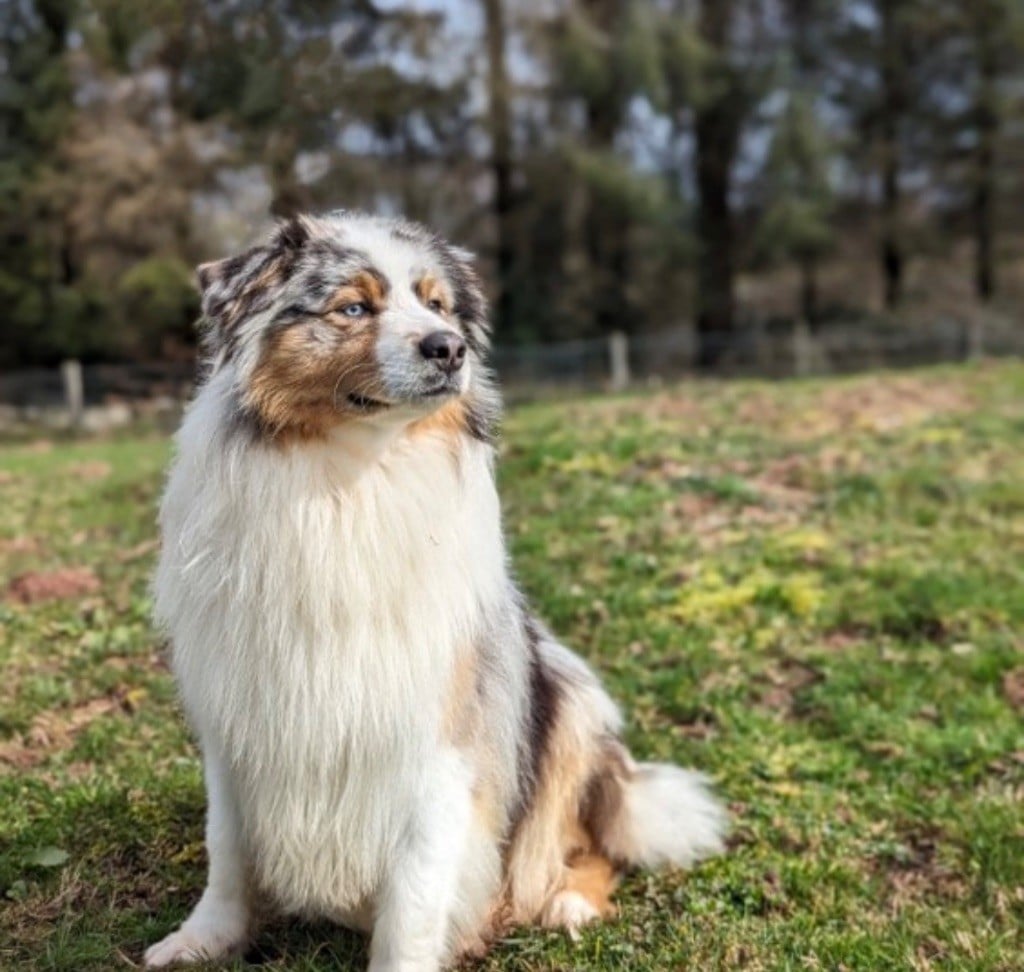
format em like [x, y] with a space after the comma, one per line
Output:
[187, 947]
[571, 911]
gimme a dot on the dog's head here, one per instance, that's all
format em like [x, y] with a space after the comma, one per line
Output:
[348, 317]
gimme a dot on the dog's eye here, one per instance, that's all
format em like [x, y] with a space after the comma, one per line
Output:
[355, 310]
[435, 305]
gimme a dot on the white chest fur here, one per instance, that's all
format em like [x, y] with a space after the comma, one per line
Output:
[316, 599]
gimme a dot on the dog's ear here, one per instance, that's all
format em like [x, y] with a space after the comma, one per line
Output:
[237, 287]
[470, 302]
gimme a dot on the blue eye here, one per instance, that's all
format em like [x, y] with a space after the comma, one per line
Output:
[355, 310]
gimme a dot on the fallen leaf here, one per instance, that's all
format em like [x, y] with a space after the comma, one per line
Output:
[1013, 687]
[49, 857]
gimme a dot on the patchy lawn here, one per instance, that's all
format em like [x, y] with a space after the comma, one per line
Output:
[813, 591]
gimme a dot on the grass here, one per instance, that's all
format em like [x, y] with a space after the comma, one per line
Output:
[813, 591]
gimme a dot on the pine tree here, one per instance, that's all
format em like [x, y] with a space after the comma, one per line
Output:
[796, 223]
[35, 273]
[984, 45]
[797, 183]
[887, 51]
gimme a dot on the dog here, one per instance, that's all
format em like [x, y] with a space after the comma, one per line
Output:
[390, 738]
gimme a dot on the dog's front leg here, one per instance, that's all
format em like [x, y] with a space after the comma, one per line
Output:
[221, 922]
[415, 909]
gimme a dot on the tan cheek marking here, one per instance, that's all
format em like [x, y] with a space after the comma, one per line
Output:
[363, 288]
[429, 288]
[299, 392]
[448, 421]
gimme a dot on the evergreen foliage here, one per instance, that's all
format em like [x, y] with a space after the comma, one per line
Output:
[618, 164]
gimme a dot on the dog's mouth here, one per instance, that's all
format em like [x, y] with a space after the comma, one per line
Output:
[366, 404]
[445, 388]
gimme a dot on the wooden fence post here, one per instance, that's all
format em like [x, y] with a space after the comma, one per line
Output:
[74, 392]
[618, 360]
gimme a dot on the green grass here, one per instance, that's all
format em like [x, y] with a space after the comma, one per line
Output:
[812, 591]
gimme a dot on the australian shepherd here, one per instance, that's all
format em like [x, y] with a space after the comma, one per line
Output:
[389, 737]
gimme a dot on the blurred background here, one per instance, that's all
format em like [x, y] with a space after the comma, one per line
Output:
[811, 590]
[766, 186]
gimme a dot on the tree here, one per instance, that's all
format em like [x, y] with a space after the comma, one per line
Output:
[990, 38]
[796, 223]
[797, 184]
[606, 57]
[36, 102]
[888, 54]
[501, 160]
[727, 90]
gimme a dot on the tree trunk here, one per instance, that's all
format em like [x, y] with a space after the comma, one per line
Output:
[984, 230]
[891, 108]
[500, 123]
[716, 124]
[891, 247]
[608, 221]
[607, 230]
[809, 290]
[983, 201]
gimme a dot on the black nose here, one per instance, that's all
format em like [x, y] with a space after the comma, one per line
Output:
[445, 348]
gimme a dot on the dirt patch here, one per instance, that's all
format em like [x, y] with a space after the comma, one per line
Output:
[1013, 687]
[878, 406]
[709, 519]
[56, 729]
[20, 545]
[53, 585]
[917, 873]
[90, 471]
[785, 681]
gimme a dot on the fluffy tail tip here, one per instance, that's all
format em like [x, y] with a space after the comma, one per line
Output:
[668, 817]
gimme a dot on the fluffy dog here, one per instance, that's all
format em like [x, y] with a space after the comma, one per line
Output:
[389, 737]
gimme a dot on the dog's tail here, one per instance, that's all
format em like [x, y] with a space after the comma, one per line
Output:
[653, 814]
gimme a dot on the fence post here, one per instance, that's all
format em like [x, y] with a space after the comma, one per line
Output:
[618, 360]
[74, 394]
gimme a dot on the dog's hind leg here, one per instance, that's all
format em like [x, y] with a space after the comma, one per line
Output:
[584, 894]
[221, 923]
[594, 810]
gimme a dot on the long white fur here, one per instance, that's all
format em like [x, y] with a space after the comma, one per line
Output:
[317, 598]
[278, 583]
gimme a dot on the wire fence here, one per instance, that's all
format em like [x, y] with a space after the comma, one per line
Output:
[758, 350]
[98, 397]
